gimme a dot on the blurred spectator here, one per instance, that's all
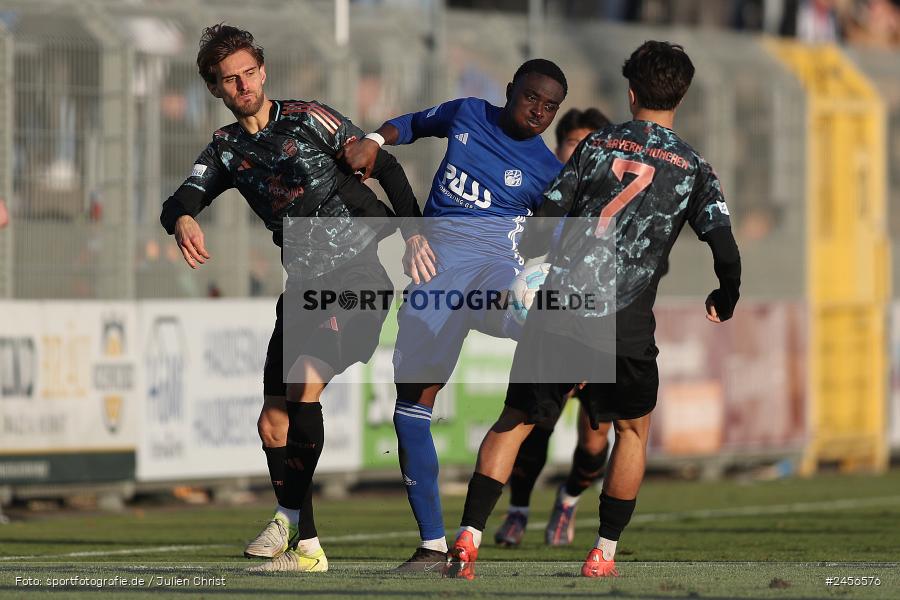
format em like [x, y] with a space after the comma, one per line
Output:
[874, 23]
[618, 10]
[813, 21]
[4, 214]
[748, 15]
[870, 22]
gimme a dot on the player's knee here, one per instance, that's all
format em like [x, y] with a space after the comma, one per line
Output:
[633, 429]
[271, 434]
[593, 443]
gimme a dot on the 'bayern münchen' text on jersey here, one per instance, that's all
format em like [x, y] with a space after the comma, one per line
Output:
[642, 182]
[632, 187]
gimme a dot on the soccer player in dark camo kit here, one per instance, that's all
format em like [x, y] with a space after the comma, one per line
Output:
[282, 156]
[640, 183]
[589, 458]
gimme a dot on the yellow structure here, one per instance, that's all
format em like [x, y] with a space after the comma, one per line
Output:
[848, 260]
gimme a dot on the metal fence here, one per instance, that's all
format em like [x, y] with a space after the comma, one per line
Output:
[883, 68]
[106, 114]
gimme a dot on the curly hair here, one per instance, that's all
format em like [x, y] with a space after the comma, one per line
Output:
[221, 41]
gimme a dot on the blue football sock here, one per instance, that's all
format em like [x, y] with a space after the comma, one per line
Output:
[419, 465]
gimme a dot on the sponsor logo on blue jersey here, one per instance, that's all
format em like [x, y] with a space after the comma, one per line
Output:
[465, 187]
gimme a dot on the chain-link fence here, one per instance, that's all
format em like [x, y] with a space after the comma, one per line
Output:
[107, 113]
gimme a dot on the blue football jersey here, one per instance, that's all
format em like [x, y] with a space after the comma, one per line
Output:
[487, 182]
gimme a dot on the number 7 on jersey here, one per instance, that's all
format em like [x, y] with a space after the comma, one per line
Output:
[644, 176]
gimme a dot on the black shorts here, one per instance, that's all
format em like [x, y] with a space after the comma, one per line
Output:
[339, 335]
[632, 395]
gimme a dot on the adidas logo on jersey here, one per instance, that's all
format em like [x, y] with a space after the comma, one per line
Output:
[463, 137]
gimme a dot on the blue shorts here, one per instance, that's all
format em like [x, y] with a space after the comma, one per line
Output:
[436, 316]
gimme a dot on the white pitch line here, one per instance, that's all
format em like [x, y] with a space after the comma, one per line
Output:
[774, 509]
[124, 552]
[741, 511]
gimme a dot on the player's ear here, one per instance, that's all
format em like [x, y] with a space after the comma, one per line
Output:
[213, 90]
[509, 91]
[262, 73]
[632, 99]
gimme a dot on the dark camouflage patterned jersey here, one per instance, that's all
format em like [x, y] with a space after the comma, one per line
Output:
[633, 186]
[288, 172]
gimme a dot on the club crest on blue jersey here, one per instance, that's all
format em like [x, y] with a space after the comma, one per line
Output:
[513, 178]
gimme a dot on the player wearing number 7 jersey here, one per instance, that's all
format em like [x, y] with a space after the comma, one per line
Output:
[637, 183]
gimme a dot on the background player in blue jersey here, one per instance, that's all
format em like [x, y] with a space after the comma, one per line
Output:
[490, 179]
[589, 458]
[282, 157]
[642, 183]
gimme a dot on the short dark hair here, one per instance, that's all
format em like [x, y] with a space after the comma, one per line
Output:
[659, 74]
[542, 66]
[220, 41]
[590, 118]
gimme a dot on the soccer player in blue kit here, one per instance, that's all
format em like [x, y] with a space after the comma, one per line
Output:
[490, 179]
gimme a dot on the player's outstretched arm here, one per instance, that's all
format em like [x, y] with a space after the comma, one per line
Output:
[405, 129]
[727, 264]
[190, 240]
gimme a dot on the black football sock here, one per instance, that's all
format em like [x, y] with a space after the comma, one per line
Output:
[586, 468]
[614, 516]
[307, 525]
[275, 460]
[529, 462]
[480, 501]
[306, 434]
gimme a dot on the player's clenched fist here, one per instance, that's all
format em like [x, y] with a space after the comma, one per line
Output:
[715, 307]
[360, 156]
[189, 238]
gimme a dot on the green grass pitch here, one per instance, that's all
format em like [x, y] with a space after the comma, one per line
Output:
[777, 539]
